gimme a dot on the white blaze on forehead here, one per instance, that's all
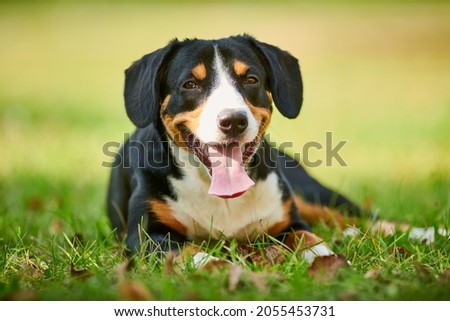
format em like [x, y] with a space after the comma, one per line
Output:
[224, 96]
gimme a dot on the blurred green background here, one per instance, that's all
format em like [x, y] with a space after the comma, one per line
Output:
[376, 74]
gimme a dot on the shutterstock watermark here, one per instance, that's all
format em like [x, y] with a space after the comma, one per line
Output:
[156, 153]
[331, 152]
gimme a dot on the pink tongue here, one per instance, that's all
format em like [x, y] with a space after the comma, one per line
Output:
[229, 178]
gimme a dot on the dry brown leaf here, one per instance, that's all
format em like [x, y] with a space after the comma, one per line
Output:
[246, 250]
[445, 277]
[21, 295]
[124, 267]
[81, 274]
[349, 295]
[234, 277]
[268, 256]
[35, 204]
[169, 263]
[57, 226]
[251, 253]
[400, 251]
[275, 254]
[216, 265]
[258, 280]
[367, 204]
[388, 228]
[326, 268]
[372, 274]
[78, 239]
[423, 271]
[134, 290]
[384, 227]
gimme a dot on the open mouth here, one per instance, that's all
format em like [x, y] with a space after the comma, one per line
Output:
[226, 164]
[200, 149]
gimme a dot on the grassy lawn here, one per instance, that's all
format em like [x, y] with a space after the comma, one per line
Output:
[376, 76]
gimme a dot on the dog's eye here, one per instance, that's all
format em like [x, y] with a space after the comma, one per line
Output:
[251, 80]
[190, 85]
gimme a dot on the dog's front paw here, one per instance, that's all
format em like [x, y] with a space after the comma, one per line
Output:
[308, 245]
[316, 251]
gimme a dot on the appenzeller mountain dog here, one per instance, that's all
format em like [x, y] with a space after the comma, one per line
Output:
[198, 166]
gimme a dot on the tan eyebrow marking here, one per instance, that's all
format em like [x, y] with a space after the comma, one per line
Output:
[199, 71]
[240, 67]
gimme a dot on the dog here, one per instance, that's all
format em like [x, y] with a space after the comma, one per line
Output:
[198, 166]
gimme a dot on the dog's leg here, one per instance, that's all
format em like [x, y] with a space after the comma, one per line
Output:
[314, 213]
[310, 190]
[117, 200]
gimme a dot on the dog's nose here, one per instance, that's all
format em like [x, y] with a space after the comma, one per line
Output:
[232, 123]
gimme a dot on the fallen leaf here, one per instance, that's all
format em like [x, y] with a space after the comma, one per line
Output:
[349, 295]
[82, 274]
[326, 268]
[234, 277]
[35, 204]
[400, 251]
[258, 280]
[246, 250]
[267, 256]
[274, 254]
[423, 271]
[78, 239]
[351, 231]
[215, 265]
[388, 228]
[169, 263]
[372, 274]
[134, 290]
[124, 267]
[22, 295]
[423, 235]
[445, 277]
[443, 231]
[367, 204]
[57, 226]
[251, 253]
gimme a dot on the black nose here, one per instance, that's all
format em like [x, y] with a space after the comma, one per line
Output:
[232, 123]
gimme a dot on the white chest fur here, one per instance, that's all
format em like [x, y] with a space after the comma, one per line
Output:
[207, 216]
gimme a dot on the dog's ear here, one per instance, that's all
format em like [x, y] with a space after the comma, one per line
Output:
[142, 86]
[285, 80]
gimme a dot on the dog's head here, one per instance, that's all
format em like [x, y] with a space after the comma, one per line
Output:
[214, 98]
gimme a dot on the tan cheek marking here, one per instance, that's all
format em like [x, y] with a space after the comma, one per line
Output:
[199, 71]
[240, 67]
[281, 226]
[314, 214]
[164, 214]
[269, 96]
[165, 103]
[190, 119]
[262, 115]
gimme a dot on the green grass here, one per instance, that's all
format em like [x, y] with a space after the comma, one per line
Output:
[375, 75]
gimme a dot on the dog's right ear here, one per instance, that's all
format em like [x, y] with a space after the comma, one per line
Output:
[142, 86]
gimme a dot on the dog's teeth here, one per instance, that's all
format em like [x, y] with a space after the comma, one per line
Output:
[205, 149]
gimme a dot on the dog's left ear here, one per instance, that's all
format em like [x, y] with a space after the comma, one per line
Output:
[285, 80]
[142, 86]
